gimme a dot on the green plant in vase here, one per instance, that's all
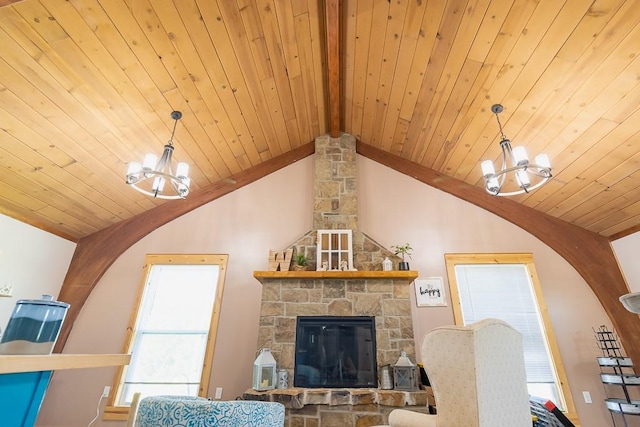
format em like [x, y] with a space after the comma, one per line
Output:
[402, 251]
[301, 262]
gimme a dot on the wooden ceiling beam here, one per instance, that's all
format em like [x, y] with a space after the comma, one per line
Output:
[95, 253]
[589, 253]
[333, 65]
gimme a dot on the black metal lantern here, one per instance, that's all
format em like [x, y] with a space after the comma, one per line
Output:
[405, 374]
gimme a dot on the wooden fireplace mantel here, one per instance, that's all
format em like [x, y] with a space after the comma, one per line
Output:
[408, 276]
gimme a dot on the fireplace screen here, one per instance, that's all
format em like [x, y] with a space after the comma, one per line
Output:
[335, 352]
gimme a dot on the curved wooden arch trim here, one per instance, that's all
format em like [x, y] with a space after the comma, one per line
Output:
[95, 253]
[589, 253]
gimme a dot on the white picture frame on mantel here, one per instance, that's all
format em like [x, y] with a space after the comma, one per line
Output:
[334, 251]
[430, 292]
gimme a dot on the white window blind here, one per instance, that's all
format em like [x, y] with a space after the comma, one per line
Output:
[171, 332]
[172, 329]
[504, 291]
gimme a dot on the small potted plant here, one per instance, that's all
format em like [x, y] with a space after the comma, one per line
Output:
[402, 250]
[301, 262]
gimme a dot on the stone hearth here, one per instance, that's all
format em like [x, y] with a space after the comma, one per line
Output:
[342, 407]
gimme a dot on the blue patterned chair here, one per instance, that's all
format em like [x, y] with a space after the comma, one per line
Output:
[185, 411]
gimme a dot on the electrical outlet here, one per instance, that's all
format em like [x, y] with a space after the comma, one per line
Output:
[6, 290]
[105, 392]
[587, 397]
[219, 393]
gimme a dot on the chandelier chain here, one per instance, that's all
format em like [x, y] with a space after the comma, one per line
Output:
[502, 135]
[175, 115]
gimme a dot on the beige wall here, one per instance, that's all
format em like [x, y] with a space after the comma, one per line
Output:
[269, 214]
[272, 213]
[436, 223]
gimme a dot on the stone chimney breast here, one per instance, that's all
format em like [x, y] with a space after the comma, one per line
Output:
[335, 203]
[366, 292]
[335, 185]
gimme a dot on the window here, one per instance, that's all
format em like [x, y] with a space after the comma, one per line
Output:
[172, 330]
[335, 250]
[505, 286]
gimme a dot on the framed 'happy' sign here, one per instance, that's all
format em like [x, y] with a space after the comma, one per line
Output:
[430, 292]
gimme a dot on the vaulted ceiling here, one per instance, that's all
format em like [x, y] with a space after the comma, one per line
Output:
[87, 86]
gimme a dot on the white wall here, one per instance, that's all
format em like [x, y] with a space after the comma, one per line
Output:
[626, 250]
[33, 261]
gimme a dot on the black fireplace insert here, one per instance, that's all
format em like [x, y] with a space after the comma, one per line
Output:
[335, 352]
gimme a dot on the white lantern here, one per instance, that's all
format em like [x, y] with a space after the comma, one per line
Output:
[405, 374]
[264, 371]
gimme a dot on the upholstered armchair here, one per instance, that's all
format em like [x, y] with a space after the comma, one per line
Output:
[185, 411]
[478, 378]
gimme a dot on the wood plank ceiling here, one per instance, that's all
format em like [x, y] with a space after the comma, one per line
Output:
[87, 86]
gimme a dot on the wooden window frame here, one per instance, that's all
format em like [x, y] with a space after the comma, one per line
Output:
[121, 412]
[525, 259]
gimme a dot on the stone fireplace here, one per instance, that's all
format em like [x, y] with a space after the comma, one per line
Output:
[369, 291]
